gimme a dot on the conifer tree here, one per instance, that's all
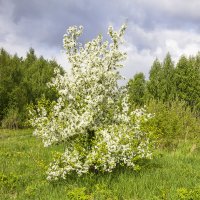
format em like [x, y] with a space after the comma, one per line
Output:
[167, 79]
[155, 78]
[137, 89]
[187, 77]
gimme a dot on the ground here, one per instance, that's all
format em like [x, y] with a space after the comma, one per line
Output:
[172, 174]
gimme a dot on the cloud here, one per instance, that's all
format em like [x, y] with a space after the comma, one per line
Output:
[144, 46]
[182, 14]
[154, 27]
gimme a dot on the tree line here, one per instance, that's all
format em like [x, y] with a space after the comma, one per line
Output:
[168, 82]
[23, 81]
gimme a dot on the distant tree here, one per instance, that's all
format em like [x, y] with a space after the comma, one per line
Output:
[167, 81]
[196, 73]
[23, 81]
[154, 88]
[137, 89]
[5, 81]
[187, 77]
[30, 57]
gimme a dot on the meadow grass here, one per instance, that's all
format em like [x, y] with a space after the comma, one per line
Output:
[172, 174]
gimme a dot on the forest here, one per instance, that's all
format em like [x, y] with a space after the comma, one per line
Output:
[168, 82]
[23, 81]
[172, 92]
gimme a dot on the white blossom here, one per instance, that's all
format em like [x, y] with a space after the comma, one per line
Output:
[92, 113]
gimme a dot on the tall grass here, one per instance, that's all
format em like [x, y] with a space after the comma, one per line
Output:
[170, 175]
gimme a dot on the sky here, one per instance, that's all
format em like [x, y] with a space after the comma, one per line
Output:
[155, 27]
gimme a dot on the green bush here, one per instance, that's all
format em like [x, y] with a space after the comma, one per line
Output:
[173, 121]
[11, 119]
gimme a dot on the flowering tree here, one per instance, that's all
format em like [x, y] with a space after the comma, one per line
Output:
[92, 115]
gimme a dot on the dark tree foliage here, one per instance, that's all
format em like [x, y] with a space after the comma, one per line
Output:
[167, 79]
[154, 87]
[161, 85]
[168, 83]
[23, 81]
[187, 79]
[136, 89]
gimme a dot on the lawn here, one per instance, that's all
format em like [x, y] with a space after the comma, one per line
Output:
[172, 174]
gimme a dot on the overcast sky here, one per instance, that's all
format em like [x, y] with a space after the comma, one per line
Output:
[155, 27]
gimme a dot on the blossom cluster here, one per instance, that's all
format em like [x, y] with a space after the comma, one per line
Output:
[92, 114]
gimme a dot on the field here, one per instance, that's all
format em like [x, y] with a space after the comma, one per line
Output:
[172, 174]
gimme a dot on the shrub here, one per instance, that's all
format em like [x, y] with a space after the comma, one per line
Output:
[12, 119]
[92, 115]
[173, 121]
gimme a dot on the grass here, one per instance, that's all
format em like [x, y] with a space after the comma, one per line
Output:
[172, 174]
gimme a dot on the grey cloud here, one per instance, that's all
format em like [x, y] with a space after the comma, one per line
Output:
[177, 14]
[42, 23]
[46, 20]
